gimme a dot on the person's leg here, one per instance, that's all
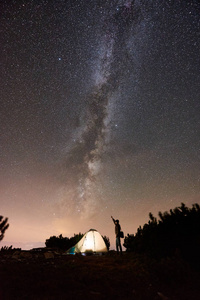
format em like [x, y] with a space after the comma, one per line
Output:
[117, 244]
[120, 246]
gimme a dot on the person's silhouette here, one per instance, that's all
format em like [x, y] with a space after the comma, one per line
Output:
[117, 233]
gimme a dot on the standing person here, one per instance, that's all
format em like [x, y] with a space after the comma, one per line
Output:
[117, 233]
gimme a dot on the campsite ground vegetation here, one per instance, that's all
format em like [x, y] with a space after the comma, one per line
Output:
[34, 275]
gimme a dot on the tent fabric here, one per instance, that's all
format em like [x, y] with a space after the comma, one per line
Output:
[91, 242]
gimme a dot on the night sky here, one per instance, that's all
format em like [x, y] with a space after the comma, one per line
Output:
[100, 114]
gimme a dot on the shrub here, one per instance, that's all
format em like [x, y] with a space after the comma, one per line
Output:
[176, 232]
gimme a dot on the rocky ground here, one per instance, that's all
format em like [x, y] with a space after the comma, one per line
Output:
[52, 275]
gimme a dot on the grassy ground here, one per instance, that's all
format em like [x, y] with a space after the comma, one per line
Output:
[97, 277]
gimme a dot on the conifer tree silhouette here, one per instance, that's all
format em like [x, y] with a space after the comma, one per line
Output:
[3, 226]
[175, 232]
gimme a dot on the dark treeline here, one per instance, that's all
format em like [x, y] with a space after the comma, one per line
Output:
[63, 243]
[177, 232]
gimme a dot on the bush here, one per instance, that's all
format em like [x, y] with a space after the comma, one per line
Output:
[177, 232]
[63, 243]
[107, 241]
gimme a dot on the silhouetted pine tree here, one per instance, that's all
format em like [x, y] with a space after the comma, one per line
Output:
[3, 226]
[107, 241]
[176, 231]
[63, 243]
[57, 242]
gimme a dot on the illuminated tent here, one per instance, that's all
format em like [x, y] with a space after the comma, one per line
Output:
[91, 242]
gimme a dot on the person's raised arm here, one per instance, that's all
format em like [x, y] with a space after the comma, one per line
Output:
[113, 219]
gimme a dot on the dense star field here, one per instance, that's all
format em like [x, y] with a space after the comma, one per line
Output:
[99, 116]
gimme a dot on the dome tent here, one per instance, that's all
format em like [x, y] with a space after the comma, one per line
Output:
[91, 242]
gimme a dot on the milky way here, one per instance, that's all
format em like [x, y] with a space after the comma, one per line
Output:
[94, 138]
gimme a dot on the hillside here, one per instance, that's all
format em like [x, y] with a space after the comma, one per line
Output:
[50, 275]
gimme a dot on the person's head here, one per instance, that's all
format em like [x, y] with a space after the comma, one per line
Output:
[116, 221]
